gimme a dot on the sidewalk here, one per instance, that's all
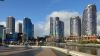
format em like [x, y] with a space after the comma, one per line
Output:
[46, 52]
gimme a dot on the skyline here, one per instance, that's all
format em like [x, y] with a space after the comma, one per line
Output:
[64, 9]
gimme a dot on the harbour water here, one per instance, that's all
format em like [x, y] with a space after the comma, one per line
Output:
[85, 49]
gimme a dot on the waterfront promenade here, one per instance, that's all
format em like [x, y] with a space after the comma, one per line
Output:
[17, 50]
[37, 51]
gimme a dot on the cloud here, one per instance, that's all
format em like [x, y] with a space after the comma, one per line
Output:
[98, 18]
[98, 22]
[64, 16]
[39, 29]
[3, 23]
[98, 29]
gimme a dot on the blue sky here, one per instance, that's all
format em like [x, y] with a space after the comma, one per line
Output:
[37, 10]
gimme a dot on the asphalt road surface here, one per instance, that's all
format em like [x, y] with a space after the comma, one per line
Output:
[30, 52]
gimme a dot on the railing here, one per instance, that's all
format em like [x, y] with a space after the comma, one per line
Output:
[73, 49]
[62, 47]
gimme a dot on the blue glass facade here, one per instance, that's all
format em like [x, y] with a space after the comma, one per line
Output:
[27, 28]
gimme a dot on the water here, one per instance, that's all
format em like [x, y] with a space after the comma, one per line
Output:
[89, 50]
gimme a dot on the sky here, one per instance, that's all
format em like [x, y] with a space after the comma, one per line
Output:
[40, 10]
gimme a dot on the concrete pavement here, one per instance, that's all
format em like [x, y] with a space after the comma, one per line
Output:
[30, 52]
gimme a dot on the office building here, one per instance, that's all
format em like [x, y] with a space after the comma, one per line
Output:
[10, 25]
[27, 28]
[89, 20]
[2, 32]
[56, 28]
[19, 32]
[10, 29]
[51, 26]
[75, 26]
[19, 27]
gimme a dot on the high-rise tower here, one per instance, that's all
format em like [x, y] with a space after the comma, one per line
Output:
[19, 27]
[10, 25]
[56, 28]
[89, 21]
[27, 28]
[75, 26]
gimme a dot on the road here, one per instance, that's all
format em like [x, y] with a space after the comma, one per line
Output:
[29, 52]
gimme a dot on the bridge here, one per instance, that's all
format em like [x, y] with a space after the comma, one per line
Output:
[19, 50]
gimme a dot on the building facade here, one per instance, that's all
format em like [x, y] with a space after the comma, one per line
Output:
[2, 33]
[19, 33]
[10, 29]
[89, 20]
[75, 26]
[19, 27]
[56, 28]
[33, 30]
[10, 25]
[27, 29]
[51, 26]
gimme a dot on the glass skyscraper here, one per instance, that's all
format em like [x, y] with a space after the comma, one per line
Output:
[89, 20]
[56, 28]
[75, 26]
[27, 28]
